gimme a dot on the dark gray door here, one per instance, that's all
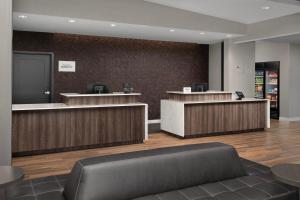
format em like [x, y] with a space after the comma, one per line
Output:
[31, 78]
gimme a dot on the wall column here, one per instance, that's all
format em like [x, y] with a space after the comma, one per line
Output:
[5, 81]
[239, 67]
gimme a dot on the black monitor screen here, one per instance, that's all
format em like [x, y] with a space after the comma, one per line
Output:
[200, 87]
[97, 88]
[240, 95]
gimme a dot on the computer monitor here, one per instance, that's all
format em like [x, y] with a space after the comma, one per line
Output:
[97, 88]
[200, 87]
[127, 88]
[240, 95]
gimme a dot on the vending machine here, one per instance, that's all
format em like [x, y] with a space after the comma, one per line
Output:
[267, 86]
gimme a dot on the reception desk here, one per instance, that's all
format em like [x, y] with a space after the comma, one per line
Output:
[95, 99]
[209, 117]
[57, 127]
[199, 96]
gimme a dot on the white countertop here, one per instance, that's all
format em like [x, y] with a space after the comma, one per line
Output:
[62, 106]
[218, 101]
[208, 92]
[99, 95]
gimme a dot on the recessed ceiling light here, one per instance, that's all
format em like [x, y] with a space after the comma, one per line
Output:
[113, 25]
[202, 33]
[228, 35]
[71, 20]
[172, 30]
[22, 17]
[266, 8]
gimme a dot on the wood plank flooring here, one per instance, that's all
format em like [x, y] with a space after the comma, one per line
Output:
[279, 144]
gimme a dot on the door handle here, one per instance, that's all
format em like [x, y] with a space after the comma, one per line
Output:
[47, 92]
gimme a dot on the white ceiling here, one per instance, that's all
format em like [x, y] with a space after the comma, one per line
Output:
[294, 39]
[53, 24]
[294, 2]
[243, 11]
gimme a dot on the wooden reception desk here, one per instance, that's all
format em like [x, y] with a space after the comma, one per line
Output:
[208, 117]
[199, 96]
[56, 127]
[95, 99]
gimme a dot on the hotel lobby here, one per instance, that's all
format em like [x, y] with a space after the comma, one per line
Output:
[149, 100]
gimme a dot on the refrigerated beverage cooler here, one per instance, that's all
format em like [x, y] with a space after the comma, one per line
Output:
[267, 76]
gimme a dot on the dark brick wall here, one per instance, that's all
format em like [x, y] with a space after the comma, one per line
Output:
[151, 67]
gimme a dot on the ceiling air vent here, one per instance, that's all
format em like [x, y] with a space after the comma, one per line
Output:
[294, 2]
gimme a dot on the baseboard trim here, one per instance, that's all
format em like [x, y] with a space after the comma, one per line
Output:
[84, 147]
[289, 119]
[199, 135]
[154, 121]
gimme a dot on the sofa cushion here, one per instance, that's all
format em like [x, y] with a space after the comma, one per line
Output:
[132, 175]
[259, 185]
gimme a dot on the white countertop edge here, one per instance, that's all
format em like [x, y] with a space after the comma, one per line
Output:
[62, 106]
[218, 101]
[208, 92]
[98, 95]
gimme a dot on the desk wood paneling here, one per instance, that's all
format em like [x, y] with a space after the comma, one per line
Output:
[98, 100]
[204, 119]
[42, 131]
[199, 96]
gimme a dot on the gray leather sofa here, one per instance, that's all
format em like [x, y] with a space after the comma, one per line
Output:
[211, 171]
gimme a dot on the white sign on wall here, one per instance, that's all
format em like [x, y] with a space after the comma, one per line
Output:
[66, 66]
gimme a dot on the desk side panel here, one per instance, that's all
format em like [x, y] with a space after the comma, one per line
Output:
[268, 114]
[172, 117]
[146, 123]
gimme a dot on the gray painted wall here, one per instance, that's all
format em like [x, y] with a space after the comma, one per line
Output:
[294, 86]
[5, 81]
[266, 51]
[215, 66]
[239, 67]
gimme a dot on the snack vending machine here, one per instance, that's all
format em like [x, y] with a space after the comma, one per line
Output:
[267, 85]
